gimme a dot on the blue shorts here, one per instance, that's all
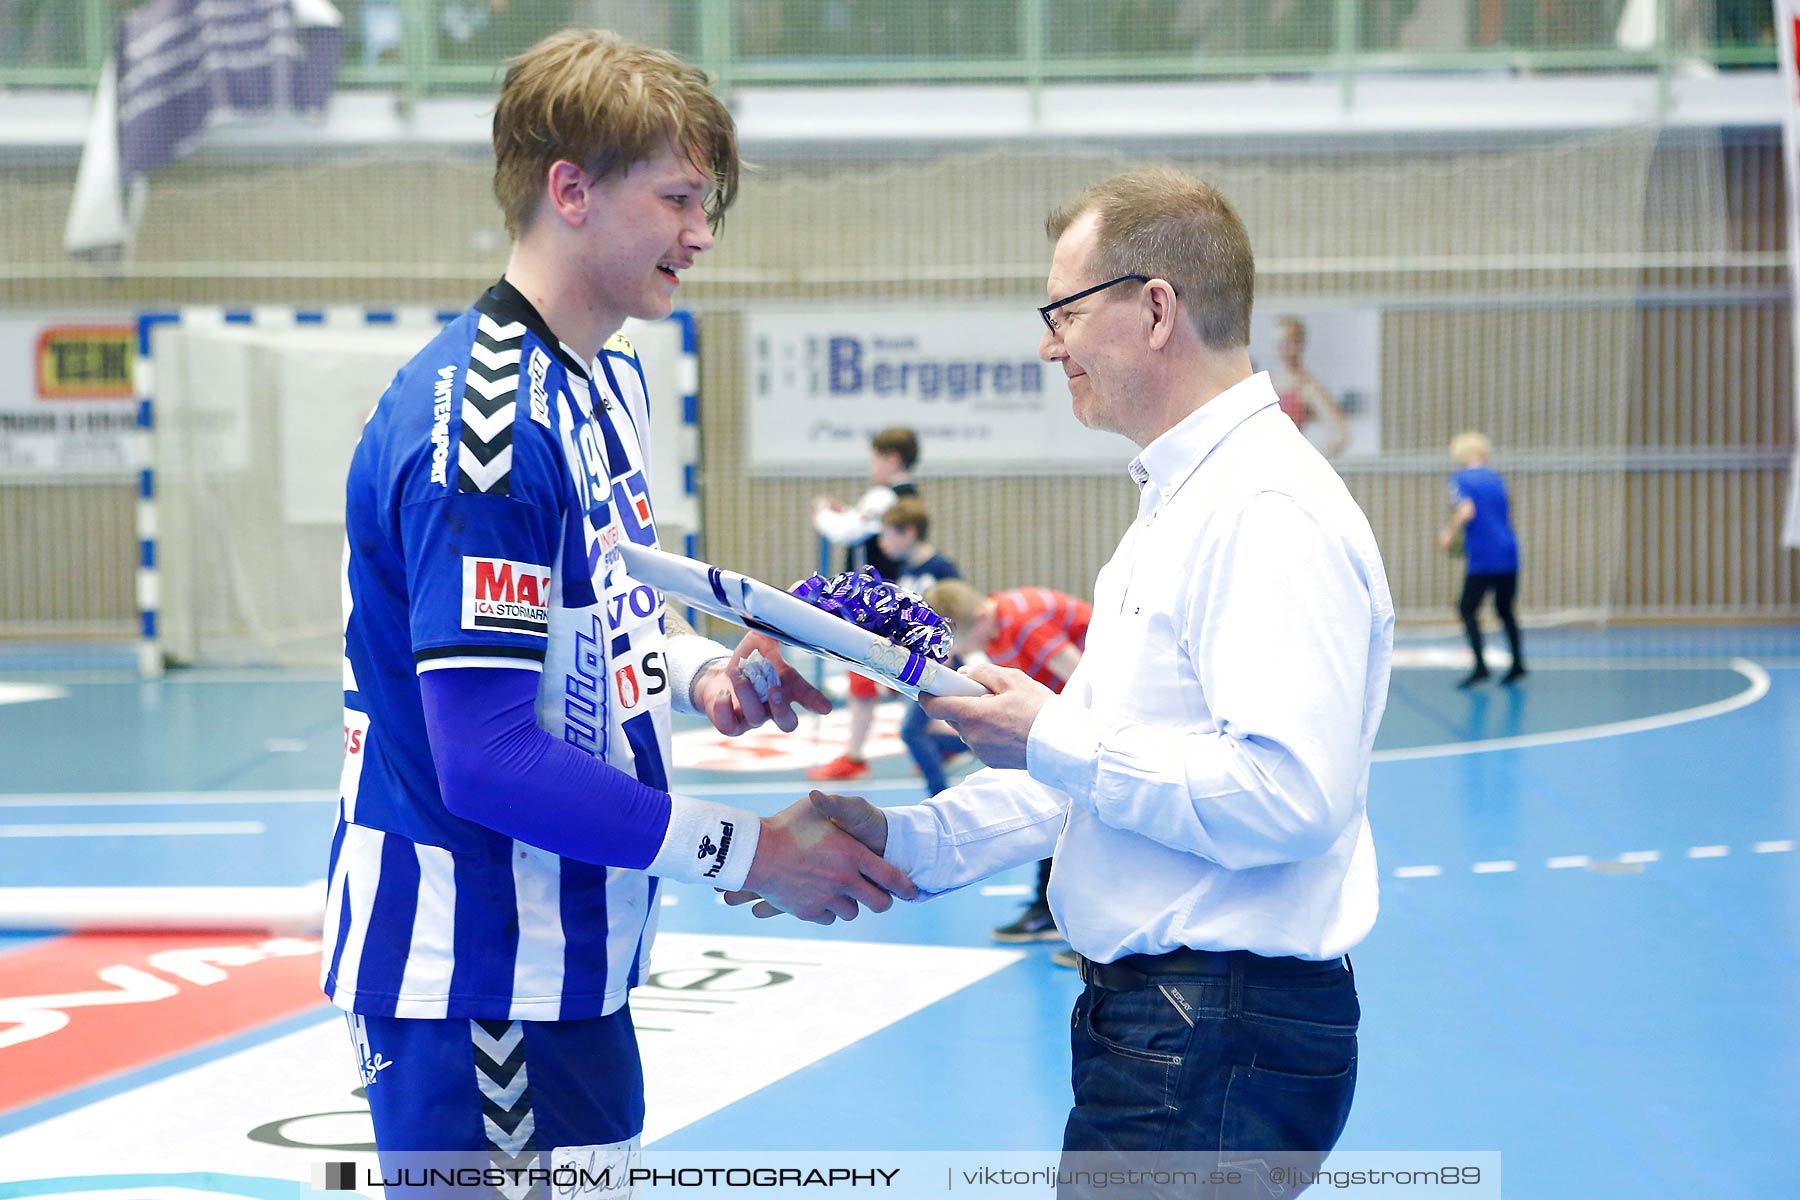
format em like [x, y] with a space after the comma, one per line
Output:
[506, 1086]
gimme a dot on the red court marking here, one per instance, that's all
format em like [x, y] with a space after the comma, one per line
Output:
[81, 1008]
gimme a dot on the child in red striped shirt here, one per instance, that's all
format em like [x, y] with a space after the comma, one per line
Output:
[1042, 633]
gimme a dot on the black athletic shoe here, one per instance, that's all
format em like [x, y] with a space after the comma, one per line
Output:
[1478, 675]
[1065, 958]
[1517, 673]
[1034, 925]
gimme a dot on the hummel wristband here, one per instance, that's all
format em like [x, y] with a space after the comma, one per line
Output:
[707, 843]
[689, 654]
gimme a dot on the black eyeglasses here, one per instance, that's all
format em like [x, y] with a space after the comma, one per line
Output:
[1046, 310]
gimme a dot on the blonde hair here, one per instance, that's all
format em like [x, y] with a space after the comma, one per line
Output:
[954, 599]
[605, 104]
[1166, 224]
[1465, 448]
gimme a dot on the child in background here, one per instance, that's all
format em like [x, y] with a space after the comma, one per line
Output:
[893, 453]
[1482, 517]
[1042, 633]
[919, 568]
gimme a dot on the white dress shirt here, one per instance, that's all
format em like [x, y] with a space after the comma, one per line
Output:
[1203, 776]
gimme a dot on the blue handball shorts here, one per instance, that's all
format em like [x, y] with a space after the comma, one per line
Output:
[553, 1092]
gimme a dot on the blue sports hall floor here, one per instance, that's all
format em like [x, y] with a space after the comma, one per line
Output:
[1587, 959]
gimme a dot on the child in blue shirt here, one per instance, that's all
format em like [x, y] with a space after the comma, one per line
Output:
[1482, 517]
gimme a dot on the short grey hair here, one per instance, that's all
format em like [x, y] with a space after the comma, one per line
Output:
[1166, 224]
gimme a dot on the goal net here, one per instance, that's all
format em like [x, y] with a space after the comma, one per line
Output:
[255, 417]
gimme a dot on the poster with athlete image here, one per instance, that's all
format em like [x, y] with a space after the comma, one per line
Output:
[1325, 364]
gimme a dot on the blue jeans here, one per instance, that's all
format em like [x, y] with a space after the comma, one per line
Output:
[928, 749]
[1237, 1065]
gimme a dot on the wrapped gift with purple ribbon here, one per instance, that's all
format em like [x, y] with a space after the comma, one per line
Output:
[885, 609]
[859, 619]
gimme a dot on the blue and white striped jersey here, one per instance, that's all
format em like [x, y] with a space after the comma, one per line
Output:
[486, 502]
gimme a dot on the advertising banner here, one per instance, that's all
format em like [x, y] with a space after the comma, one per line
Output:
[969, 383]
[66, 400]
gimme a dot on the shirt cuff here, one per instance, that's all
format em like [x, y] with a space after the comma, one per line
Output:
[707, 843]
[1063, 748]
[913, 834]
[688, 655]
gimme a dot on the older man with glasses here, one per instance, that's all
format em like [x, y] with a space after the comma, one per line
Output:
[1202, 778]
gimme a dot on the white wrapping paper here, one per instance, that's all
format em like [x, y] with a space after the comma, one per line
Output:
[756, 605]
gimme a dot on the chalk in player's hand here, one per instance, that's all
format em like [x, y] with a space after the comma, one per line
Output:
[761, 673]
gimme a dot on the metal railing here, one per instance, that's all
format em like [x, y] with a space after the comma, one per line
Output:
[426, 47]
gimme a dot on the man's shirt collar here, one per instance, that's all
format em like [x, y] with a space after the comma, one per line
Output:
[1167, 462]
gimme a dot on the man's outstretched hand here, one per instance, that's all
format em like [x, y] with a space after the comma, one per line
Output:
[819, 858]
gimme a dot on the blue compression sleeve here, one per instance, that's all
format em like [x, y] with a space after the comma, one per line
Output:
[496, 767]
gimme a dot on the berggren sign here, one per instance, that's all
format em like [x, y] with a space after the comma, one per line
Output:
[969, 383]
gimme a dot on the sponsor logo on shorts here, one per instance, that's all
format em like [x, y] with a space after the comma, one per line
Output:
[500, 594]
[370, 1062]
[719, 852]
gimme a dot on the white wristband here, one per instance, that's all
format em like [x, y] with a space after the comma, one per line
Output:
[690, 654]
[707, 843]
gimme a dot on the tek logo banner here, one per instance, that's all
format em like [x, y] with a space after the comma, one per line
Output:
[334, 1177]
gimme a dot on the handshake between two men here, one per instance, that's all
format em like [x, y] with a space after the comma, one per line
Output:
[820, 859]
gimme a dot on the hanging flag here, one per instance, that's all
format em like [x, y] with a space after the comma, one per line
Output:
[178, 68]
[1787, 39]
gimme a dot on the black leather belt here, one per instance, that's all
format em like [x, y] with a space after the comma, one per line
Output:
[1136, 971]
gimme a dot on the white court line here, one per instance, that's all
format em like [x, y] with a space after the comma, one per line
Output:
[1752, 671]
[28, 693]
[1759, 687]
[1008, 889]
[757, 787]
[1564, 862]
[187, 676]
[135, 829]
[298, 909]
[1460, 660]
[103, 799]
